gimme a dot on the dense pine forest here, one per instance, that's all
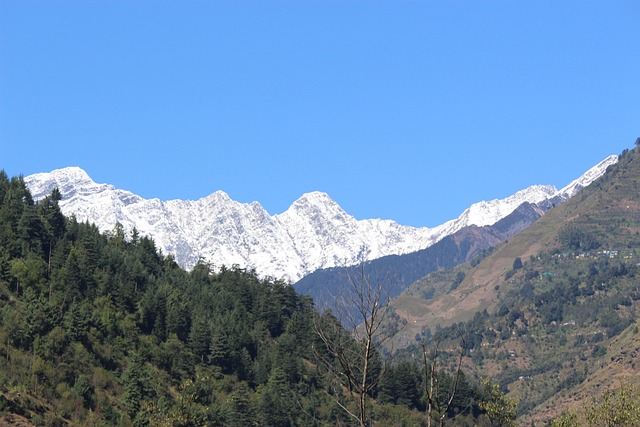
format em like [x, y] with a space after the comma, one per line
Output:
[102, 329]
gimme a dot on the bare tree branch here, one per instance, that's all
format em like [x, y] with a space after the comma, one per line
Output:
[350, 358]
[433, 384]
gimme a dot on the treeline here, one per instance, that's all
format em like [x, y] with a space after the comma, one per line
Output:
[103, 329]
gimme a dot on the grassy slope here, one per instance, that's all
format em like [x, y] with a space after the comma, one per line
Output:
[477, 291]
[610, 210]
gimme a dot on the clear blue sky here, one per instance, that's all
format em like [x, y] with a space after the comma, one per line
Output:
[404, 110]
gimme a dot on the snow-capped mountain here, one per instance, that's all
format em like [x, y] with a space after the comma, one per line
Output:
[315, 232]
[587, 178]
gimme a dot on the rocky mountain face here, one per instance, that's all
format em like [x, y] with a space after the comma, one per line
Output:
[315, 232]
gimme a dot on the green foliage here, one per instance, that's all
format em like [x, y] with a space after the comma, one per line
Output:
[460, 275]
[276, 404]
[135, 382]
[501, 410]
[107, 331]
[241, 411]
[576, 238]
[401, 384]
[517, 263]
[618, 408]
[556, 319]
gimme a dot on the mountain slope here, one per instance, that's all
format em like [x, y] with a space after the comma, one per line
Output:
[98, 330]
[561, 324]
[315, 232]
[399, 271]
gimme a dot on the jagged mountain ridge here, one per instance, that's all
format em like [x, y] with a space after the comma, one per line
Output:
[314, 232]
[400, 271]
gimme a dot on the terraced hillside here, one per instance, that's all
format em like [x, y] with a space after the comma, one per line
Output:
[551, 314]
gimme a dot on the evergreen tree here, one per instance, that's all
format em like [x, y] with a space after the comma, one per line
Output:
[82, 389]
[16, 199]
[178, 315]
[36, 316]
[31, 231]
[276, 404]
[134, 382]
[220, 353]
[4, 185]
[517, 264]
[54, 221]
[199, 338]
[75, 322]
[241, 411]
[401, 385]
[175, 358]
[73, 280]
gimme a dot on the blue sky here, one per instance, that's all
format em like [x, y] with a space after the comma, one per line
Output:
[404, 110]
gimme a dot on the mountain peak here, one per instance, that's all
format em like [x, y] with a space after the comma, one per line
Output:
[218, 196]
[67, 180]
[489, 212]
[317, 202]
[315, 206]
[314, 232]
[587, 178]
[70, 173]
[315, 198]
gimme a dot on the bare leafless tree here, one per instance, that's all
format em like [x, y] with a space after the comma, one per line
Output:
[435, 400]
[349, 343]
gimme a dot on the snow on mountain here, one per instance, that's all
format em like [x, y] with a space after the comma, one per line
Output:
[315, 232]
[324, 235]
[587, 178]
[488, 213]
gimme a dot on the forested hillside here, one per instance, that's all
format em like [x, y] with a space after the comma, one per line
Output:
[102, 329]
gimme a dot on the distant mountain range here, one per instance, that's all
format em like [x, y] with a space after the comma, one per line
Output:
[397, 272]
[314, 233]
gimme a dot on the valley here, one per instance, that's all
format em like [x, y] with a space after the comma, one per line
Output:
[530, 316]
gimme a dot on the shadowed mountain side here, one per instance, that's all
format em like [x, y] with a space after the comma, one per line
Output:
[399, 271]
